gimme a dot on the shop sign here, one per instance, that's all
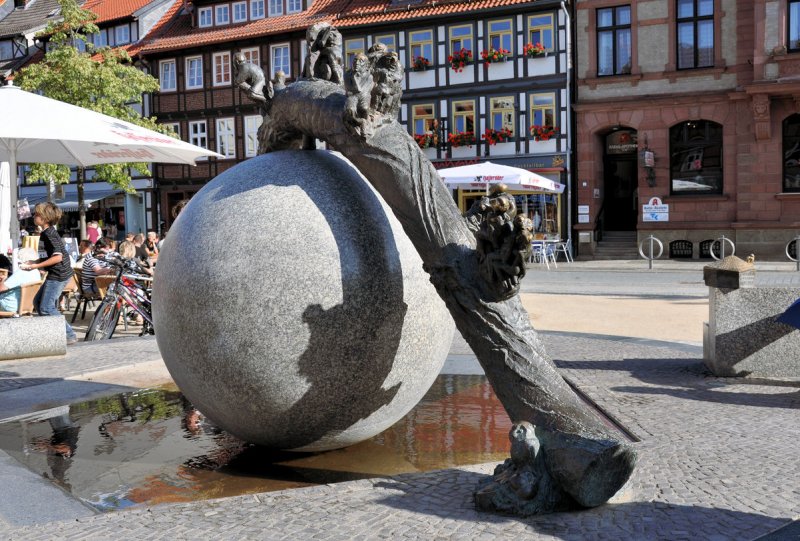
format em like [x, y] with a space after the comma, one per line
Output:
[622, 142]
[655, 211]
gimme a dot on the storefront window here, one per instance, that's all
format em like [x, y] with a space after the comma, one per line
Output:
[696, 157]
[791, 153]
[544, 210]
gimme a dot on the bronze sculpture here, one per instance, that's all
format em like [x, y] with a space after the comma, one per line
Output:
[475, 263]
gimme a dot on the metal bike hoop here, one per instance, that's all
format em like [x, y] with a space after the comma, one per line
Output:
[796, 259]
[651, 239]
[722, 240]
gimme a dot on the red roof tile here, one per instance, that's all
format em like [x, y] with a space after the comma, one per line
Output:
[180, 34]
[342, 13]
[109, 10]
[364, 12]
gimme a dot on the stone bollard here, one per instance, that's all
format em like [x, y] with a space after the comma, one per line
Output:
[25, 337]
[742, 337]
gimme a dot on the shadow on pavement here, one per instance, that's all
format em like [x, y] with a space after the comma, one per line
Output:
[688, 379]
[629, 520]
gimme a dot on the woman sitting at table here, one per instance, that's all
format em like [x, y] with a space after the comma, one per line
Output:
[10, 289]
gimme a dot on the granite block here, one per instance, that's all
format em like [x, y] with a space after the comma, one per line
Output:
[26, 337]
[291, 308]
[745, 339]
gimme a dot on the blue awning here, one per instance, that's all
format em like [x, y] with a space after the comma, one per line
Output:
[70, 202]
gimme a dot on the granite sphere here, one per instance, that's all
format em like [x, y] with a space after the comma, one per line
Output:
[291, 308]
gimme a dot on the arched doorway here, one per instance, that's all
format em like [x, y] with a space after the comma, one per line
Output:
[620, 180]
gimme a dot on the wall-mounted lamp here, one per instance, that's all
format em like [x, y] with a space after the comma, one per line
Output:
[649, 162]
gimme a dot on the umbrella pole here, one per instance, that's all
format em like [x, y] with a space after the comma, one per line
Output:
[14, 195]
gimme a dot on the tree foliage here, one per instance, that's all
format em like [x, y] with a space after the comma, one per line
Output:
[101, 79]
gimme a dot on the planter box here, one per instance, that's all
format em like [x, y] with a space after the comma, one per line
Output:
[422, 79]
[500, 70]
[464, 152]
[465, 77]
[542, 65]
[544, 147]
[503, 149]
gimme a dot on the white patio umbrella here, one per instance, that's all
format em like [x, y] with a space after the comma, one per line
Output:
[36, 129]
[483, 175]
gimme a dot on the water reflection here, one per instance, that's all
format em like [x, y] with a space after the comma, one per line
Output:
[152, 447]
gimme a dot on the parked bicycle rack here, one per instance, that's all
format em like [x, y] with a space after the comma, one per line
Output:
[796, 257]
[651, 257]
[722, 240]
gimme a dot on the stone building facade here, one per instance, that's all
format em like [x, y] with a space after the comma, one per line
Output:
[693, 102]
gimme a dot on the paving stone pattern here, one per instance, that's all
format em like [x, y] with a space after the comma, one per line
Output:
[718, 461]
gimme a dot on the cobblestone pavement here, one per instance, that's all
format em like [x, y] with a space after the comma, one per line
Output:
[718, 461]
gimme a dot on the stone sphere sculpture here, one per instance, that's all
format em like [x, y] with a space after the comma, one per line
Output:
[292, 310]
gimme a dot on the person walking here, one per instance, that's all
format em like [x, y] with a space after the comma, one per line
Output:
[59, 271]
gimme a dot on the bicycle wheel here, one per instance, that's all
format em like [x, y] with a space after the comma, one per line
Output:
[104, 321]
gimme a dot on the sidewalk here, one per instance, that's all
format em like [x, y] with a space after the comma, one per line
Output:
[717, 458]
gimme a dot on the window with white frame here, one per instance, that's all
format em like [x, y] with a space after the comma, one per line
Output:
[239, 12]
[198, 134]
[222, 14]
[351, 48]
[389, 40]
[501, 114]
[204, 17]
[280, 59]
[294, 6]
[226, 137]
[275, 7]
[251, 125]
[122, 34]
[222, 68]
[166, 75]
[256, 9]
[194, 72]
[175, 127]
[252, 55]
[100, 39]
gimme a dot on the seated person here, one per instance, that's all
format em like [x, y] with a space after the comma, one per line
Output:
[5, 264]
[93, 266]
[10, 289]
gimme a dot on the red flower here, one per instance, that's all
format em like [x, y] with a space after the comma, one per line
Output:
[492, 137]
[459, 59]
[543, 133]
[494, 55]
[534, 49]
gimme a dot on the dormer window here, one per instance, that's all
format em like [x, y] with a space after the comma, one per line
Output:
[122, 34]
[275, 7]
[294, 6]
[223, 14]
[239, 12]
[256, 9]
[204, 17]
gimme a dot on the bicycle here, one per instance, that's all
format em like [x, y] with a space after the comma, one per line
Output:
[127, 289]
